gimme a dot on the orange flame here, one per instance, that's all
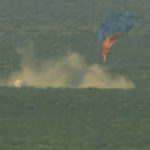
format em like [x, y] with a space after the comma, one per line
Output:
[109, 42]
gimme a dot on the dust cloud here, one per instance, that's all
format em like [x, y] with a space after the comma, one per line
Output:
[69, 71]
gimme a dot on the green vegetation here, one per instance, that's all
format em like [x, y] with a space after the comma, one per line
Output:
[74, 119]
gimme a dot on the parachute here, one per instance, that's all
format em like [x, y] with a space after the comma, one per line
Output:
[113, 27]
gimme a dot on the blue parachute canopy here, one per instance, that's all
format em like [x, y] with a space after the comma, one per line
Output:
[115, 22]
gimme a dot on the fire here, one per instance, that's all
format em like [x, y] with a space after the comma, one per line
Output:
[109, 42]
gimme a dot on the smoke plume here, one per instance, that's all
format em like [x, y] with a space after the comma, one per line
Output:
[70, 71]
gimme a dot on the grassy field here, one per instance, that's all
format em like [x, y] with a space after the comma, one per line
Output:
[74, 119]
